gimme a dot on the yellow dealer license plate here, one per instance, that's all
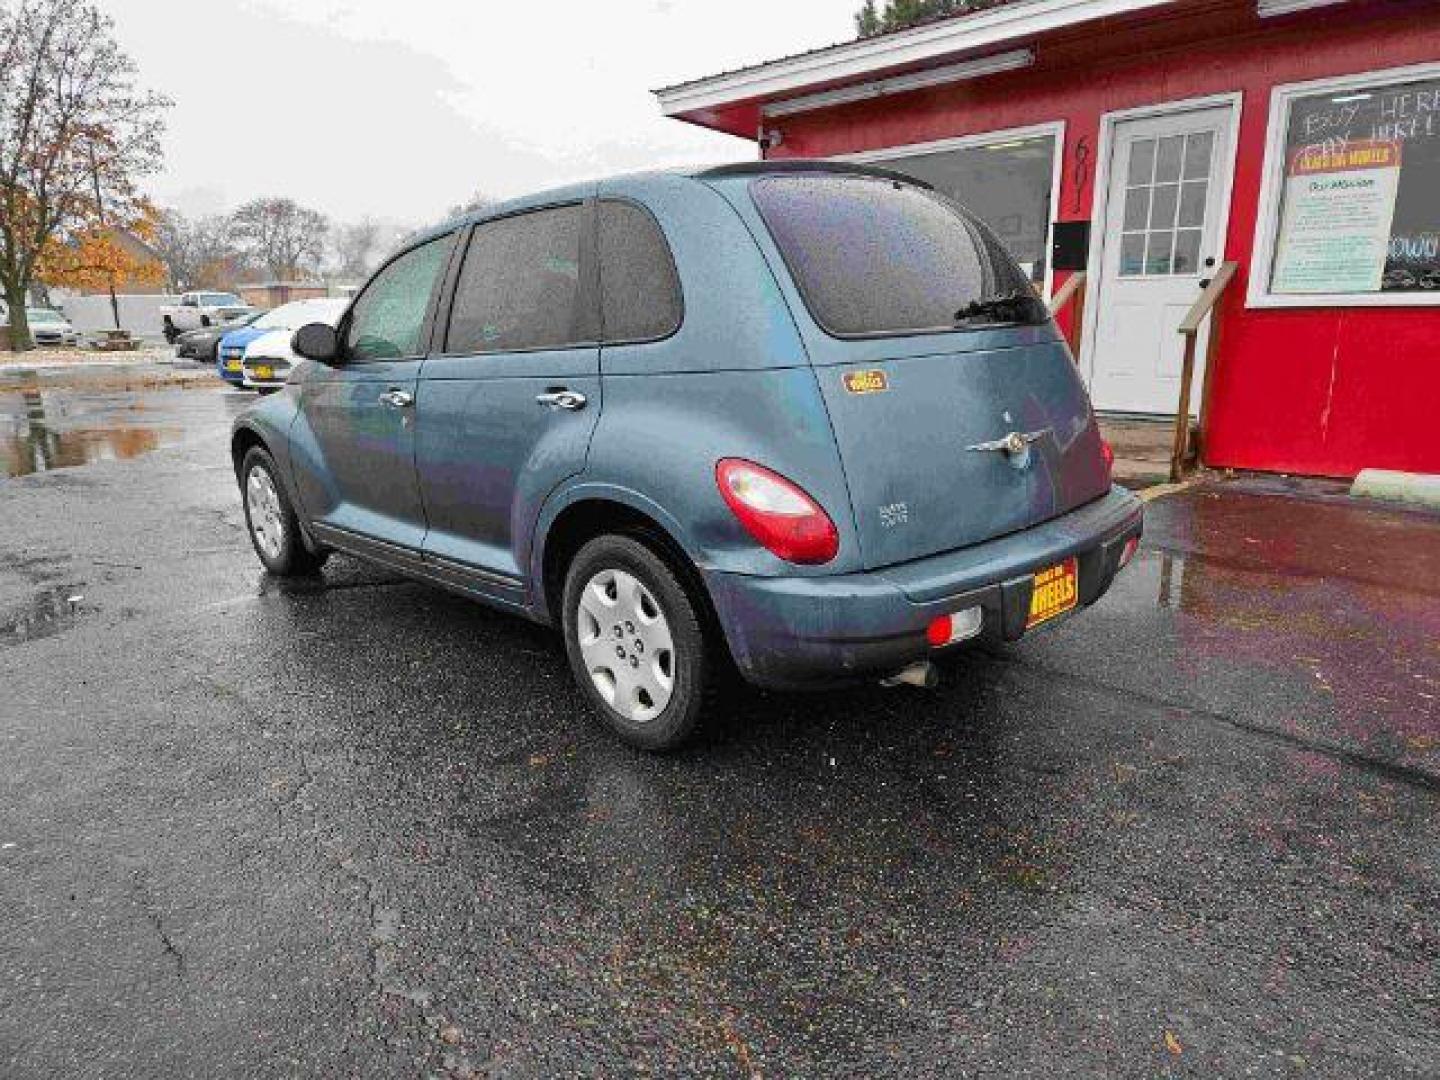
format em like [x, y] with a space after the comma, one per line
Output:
[232, 365]
[1056, 591]
[263, 372]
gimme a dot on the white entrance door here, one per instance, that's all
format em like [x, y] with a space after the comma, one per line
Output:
[1162, 239]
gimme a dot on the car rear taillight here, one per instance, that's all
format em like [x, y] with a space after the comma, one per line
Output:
[787, 521]
[1128, 551]
[1108, 453]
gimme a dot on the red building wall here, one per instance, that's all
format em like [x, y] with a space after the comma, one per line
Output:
[1321, 391]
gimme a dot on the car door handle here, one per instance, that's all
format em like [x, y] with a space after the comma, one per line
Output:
[397, 399]
[562, 399]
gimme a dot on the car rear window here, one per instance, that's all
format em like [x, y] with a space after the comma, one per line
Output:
[639, 292]
[875, 256]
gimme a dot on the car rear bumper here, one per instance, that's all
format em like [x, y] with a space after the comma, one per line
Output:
[804, 631]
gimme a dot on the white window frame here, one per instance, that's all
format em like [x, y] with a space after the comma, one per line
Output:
[1055, 128]
[1272, 186]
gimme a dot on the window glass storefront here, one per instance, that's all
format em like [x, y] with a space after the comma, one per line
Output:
[1006, 183]
[1352, 176]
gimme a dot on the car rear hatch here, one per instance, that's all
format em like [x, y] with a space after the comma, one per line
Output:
[926, 459]
[959, 417]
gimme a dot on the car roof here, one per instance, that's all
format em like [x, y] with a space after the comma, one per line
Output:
[550, 196]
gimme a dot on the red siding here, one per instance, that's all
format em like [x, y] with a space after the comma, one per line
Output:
[1323, 391]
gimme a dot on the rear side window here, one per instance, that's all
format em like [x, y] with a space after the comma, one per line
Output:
[639, 291]
[873, 256]
[388, 317]
[520, 285]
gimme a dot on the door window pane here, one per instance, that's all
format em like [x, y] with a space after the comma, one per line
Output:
[639, 292]
[1162, 208]
[1006, 184]
[1142, 162]
[519, 287]
[1187, 251]
[1137, 207]
[1132, 254]
[1359, 175]
[1198, 145]
[1157, 252]
[1167, 159]
[388, 317]
[1192, 203]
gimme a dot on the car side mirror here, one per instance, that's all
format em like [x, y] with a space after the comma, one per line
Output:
[316, 341]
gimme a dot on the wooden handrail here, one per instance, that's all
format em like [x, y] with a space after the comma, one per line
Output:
[1202, 309]
[1072, 291]
[1065, 292]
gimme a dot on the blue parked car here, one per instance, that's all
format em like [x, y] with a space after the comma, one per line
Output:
[804, 420]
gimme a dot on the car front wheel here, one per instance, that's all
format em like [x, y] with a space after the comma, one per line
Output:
[274, 529]
[636, 643]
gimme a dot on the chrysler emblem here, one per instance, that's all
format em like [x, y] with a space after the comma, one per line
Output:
[1014, 443]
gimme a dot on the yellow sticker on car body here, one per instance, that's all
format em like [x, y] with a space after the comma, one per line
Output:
[866, 382]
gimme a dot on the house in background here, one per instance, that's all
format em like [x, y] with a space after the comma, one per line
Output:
[270, 294]
[1146, 143]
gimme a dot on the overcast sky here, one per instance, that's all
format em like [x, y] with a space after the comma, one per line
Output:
[402, 108]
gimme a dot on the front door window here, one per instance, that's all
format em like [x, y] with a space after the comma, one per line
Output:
[1166, 194]
[387, 319]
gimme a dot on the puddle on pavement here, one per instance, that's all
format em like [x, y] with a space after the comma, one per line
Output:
[45, 615]
[42, 430]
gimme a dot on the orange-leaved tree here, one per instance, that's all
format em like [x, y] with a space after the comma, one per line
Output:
[97, 257]
[76, 135]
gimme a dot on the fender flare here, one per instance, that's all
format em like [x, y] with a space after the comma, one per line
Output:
[582, 490]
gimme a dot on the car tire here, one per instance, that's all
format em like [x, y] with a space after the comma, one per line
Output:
[637, 643]
[271, 521]
[170, 332]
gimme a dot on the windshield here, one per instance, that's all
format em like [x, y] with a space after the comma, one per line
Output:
[43, 315]
[874, 256]
[220, 299]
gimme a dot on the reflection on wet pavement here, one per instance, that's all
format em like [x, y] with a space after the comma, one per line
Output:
[44, 429]
[1321, 616]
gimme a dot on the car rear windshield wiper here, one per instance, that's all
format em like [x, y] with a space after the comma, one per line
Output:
[1008, 307]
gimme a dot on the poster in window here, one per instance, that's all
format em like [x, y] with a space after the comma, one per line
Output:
[1339, 210]
[1359, 212]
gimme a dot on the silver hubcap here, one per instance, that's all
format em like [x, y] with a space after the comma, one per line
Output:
[626, 643]
[266, 523]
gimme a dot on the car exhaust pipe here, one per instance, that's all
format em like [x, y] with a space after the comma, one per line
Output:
[921, 673]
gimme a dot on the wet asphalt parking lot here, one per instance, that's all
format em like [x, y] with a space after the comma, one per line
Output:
[362, 827]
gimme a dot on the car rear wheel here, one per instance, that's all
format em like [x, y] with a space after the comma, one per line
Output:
[170, 332]
[270, 519]
[636, 643]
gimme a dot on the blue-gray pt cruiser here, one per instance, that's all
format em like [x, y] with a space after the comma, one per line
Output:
[802, 420]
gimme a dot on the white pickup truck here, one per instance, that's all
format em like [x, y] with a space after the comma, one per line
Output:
[197, 309]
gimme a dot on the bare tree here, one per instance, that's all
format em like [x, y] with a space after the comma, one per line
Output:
[285, 238]
[75, 136]
[199, 253]
[357, 246]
